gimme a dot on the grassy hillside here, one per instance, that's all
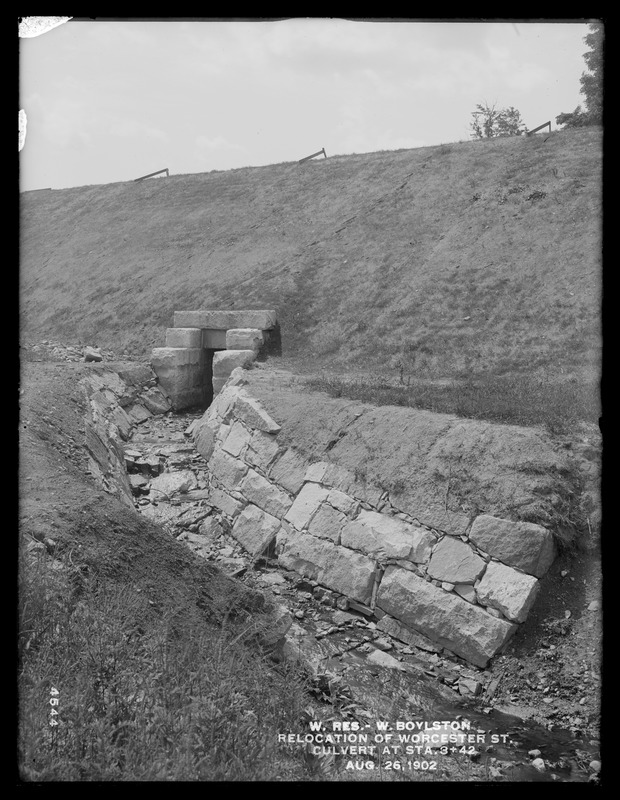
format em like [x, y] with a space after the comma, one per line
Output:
[469, 258]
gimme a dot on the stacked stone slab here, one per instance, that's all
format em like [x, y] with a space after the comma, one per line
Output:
[427, 586]
[204, 347]
[182, 368]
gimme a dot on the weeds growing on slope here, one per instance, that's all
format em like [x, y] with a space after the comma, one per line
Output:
[108, 691]
[511, 400]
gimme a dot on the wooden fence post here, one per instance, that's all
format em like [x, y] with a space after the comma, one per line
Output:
[539, 128]
[318, 153]
[150, 175]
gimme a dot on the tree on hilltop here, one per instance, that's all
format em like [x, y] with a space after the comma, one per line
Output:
[488, 121]
[591, 83]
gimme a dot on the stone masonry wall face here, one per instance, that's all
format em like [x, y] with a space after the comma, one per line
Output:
[204, 347]
[467, 593]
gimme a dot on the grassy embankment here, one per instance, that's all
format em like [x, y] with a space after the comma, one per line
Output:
[467, 273]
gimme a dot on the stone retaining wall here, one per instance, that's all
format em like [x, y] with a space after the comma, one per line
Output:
[464, 588]
[117, 399]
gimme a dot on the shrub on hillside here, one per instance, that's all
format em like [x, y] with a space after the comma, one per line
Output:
[489, 121]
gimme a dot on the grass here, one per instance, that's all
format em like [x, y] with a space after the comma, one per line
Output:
[140, 695]
[510, 400]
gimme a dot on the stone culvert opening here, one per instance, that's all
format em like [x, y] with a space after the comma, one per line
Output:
[204, 347]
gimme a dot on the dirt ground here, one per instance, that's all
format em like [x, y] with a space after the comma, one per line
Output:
[550, 673]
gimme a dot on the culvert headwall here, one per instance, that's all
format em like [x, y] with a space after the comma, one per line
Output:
[204, 347]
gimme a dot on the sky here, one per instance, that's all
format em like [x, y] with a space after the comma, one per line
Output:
[109, 101]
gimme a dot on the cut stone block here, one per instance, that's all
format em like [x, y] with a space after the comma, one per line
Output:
[223, 320]
[511, 592]
[444, 617]
[305, 505]
[338, 568]
[466, 591]
[342, 479]
[225, 503]
[401, 632]
[339, 477]
[524, 545]
[229, 471]
[182, 375]
[244, 339]
[177, 380]
[435, 517]
[387, 537]
[316, 472]
[454, 561]
[184, 337]
[213, 339]
[265, 495]
[224, 361]
[250, 411]
[327, 523]
[167, 357]
[255, 530]
[262, 450]
[221, 433]
[343, 502]
[289, 470]
[237, 439]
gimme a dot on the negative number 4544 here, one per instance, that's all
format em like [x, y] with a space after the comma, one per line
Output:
[54, 702]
